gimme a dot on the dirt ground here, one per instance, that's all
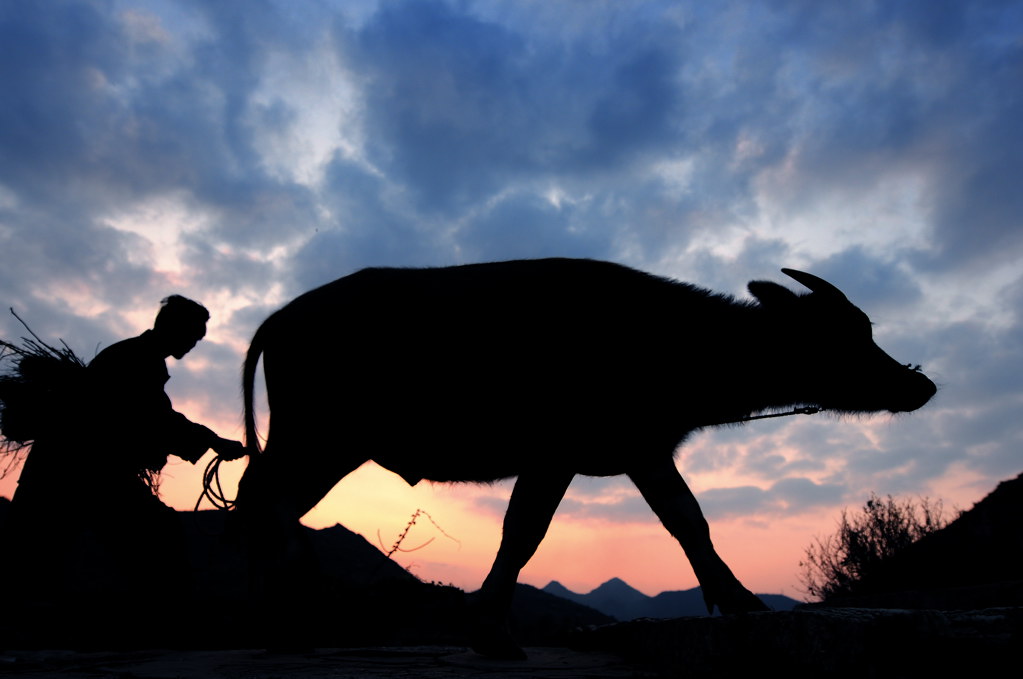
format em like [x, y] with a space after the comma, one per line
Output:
[420, 662]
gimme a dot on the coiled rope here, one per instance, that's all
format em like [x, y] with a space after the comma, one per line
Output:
[212, 489]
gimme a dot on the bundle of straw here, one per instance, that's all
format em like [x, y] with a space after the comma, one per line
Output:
[37, 381]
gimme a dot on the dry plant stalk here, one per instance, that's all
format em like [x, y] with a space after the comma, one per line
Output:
[401, 538]
[39, 385]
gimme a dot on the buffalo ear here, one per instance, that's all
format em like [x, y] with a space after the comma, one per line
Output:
[771, 294]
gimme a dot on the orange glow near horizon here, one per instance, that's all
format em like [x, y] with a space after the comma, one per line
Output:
[763, 551]
[580, 554]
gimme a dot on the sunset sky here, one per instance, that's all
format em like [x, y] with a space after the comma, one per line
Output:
[240, 153]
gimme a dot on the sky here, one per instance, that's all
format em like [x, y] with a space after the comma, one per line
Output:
[240, 153]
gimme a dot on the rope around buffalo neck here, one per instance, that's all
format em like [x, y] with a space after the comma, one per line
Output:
[808, 410]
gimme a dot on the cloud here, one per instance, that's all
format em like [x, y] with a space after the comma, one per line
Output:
[462, 106]
[527, 225]
[873, 283]
[242, 153]
[789, 496]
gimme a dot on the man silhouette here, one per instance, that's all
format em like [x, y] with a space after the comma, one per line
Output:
[86, 512]
[129, 378]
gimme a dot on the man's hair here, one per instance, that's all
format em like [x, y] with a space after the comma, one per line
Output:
[177, 310]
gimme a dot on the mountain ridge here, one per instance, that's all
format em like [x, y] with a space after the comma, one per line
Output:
[623, 602]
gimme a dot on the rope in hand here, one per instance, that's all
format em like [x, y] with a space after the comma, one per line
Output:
[212, 489]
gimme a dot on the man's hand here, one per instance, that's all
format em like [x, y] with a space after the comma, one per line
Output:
[229, 450]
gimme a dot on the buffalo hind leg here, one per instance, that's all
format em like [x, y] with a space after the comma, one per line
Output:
[666, 492]
[279, 487]
[534, 500]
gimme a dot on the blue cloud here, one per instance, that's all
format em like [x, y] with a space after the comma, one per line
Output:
[687, 140]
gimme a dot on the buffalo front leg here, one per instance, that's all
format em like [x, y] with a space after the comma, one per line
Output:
[666, 492]
[534, 500]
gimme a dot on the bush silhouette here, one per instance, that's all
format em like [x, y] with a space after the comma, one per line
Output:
[837, 565]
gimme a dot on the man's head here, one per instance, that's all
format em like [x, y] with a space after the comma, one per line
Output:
[180, 324]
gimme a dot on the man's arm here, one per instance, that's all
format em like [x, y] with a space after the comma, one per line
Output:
[190, 441]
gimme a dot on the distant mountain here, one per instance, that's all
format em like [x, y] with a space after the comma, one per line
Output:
[677, 604]
[539, 618]
[618, 596]
[623, 602]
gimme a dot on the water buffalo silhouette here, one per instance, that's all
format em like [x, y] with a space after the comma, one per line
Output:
[542, 370]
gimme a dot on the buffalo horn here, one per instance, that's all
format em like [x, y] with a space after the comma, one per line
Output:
[814, 283]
